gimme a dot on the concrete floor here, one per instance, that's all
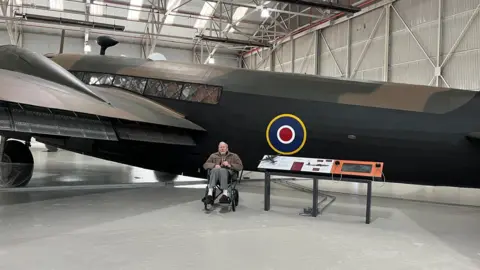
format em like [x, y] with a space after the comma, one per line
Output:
[158, 227]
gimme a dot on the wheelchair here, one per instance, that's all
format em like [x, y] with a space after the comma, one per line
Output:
[232, 191]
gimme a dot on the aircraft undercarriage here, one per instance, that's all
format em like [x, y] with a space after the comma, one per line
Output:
[16, 168]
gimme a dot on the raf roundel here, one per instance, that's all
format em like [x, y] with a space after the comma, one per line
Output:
[286, 134]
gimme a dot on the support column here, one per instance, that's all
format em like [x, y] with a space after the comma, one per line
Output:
[201, 51]
[349, 48]
[386, 59]
[62, 41]
[194, 54]
[317, 52]
[292, 41]
[272, 59]
[438, 68]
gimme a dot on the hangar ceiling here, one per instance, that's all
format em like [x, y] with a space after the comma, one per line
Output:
[214, 25]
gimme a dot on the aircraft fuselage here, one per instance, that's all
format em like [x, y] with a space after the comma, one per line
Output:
[419, 132]
[416, 147]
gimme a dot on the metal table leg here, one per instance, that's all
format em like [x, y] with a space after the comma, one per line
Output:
[315, 198]
[369, 201]
[267, 192]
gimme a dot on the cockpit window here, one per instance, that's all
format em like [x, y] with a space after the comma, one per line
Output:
[154, 88]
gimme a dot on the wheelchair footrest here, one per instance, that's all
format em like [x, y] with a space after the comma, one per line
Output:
[222, 201]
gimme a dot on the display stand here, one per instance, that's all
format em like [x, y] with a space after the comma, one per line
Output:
[315, 168]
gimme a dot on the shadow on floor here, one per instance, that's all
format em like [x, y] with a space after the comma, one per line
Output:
[13, 197]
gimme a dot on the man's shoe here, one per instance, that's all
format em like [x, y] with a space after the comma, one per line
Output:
[208, 199]
[224, 199]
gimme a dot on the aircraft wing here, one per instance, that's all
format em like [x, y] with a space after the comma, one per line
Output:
[35, 105]
[142, 107]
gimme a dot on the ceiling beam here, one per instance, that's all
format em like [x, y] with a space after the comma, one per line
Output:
[233, 41]
[253, 6]
[120, 18]
[125, 33]
[323, 4]
[72, 22]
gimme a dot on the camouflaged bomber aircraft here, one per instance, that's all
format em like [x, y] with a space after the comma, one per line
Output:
[169, 116]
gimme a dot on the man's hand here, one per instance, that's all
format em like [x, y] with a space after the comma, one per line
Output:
[217, 166]
[226, 164]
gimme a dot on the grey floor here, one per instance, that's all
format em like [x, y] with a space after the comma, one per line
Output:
[164, 227]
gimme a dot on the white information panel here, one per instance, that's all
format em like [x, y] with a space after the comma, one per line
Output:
[296, 164]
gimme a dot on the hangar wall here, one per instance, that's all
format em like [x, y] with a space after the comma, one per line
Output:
[395, 40]
[48, 43]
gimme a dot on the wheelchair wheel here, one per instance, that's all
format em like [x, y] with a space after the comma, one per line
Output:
[234, 199]
[235, 196]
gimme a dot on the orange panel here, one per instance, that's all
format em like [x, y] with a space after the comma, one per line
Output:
[357, 168]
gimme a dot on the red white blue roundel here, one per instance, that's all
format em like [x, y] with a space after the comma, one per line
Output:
[286, 134]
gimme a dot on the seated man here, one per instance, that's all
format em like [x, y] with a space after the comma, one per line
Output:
[222, 164]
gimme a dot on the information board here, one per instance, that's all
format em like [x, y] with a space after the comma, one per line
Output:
[296, 164]
[322, 166]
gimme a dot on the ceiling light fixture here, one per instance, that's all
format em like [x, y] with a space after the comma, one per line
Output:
[265, 13]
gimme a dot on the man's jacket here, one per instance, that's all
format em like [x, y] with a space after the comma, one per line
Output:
[217, 159]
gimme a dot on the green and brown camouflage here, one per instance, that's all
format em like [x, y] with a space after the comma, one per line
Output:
[169, 116]
[387, 95]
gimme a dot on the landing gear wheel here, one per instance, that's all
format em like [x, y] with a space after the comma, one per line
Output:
[16, 168]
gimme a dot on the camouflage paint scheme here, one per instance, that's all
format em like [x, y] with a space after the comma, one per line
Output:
[349, 92]
[418, 131]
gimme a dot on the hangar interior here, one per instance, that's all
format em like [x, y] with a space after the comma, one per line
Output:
[117, 216]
